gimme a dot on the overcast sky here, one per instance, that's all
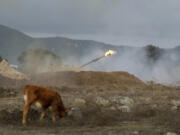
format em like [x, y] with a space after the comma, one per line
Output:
[120, 22]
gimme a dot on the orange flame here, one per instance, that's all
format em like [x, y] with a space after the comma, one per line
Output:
[110, 52]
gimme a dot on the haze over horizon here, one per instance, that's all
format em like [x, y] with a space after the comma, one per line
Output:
[123, 22]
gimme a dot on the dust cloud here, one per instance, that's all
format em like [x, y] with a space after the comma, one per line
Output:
[38, 60]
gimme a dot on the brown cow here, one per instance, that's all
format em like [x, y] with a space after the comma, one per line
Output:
[43, 97]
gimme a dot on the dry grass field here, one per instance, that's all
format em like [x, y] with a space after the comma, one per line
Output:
[106, 103]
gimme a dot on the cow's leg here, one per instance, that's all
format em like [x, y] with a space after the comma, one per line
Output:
[27, 104]
[43, 113]
[26, 109]
[53, 110]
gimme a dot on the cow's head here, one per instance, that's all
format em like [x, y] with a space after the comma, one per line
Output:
[68, 111]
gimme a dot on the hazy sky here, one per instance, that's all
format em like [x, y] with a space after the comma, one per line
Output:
[120, 22]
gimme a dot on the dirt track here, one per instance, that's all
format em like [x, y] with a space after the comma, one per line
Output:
[99, 97]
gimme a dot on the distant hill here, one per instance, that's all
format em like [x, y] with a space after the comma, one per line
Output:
[13, 42]
[148, 63]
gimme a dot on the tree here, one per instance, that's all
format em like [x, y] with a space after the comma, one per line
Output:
[1, 58]
[153, 53]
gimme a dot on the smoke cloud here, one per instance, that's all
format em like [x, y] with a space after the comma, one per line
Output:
[147, 63]
[159, 65]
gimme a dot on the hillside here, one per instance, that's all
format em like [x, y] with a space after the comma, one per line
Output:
[7, 71]
[13, 42]
[147, 63]
[89, 78]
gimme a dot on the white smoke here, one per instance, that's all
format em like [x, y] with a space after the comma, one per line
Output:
[165, 69]
[135, 60]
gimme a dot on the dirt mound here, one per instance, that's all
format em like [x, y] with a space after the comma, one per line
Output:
[88, 78]
[12, 83]
[7, 71]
